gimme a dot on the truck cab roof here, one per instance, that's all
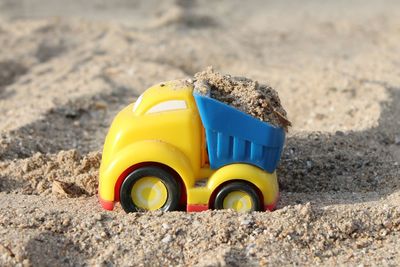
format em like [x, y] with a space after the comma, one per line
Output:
[165, 96]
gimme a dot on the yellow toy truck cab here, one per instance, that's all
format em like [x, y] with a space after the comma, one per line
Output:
[164, 152]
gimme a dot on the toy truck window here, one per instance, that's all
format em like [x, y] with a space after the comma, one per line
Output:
[137, 103]
[168, 106]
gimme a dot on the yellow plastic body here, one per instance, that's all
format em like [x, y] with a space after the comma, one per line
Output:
[140, 133]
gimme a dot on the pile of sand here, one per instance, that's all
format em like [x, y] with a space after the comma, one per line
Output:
[258, 100]
[66, 174]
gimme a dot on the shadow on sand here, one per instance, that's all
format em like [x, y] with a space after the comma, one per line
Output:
[353, 162]
[53, 249]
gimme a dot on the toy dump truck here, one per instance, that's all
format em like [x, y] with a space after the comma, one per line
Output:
[174, 149]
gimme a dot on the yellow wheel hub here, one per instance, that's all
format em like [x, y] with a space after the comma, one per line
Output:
[239, 201]
[149, 193]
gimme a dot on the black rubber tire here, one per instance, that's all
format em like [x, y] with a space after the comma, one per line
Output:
[237, 186]
[172, 202]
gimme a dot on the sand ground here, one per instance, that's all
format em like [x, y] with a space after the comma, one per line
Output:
[67, 68]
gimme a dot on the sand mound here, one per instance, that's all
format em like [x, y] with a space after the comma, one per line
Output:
[259, 100]
[66, 174]
[78, 231]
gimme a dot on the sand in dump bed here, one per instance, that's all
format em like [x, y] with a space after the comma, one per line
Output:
[62, 81]
[259, 100]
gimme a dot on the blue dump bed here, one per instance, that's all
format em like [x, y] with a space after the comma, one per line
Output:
[234, 136]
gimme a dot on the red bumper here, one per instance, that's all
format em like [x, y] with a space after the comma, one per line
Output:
[109, 205]
[272, 206]
[196, 208]
[106, 204]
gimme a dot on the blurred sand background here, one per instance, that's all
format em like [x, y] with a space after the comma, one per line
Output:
[67, 67]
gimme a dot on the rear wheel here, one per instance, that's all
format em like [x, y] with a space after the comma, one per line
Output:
[238, 196]
[149, 188]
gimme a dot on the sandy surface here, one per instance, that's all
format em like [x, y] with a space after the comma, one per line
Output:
[65, 70]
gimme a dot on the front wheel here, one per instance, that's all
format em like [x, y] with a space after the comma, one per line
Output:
[239, 196]
[149, 188]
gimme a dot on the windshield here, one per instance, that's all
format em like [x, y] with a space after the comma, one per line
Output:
[137, 103]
